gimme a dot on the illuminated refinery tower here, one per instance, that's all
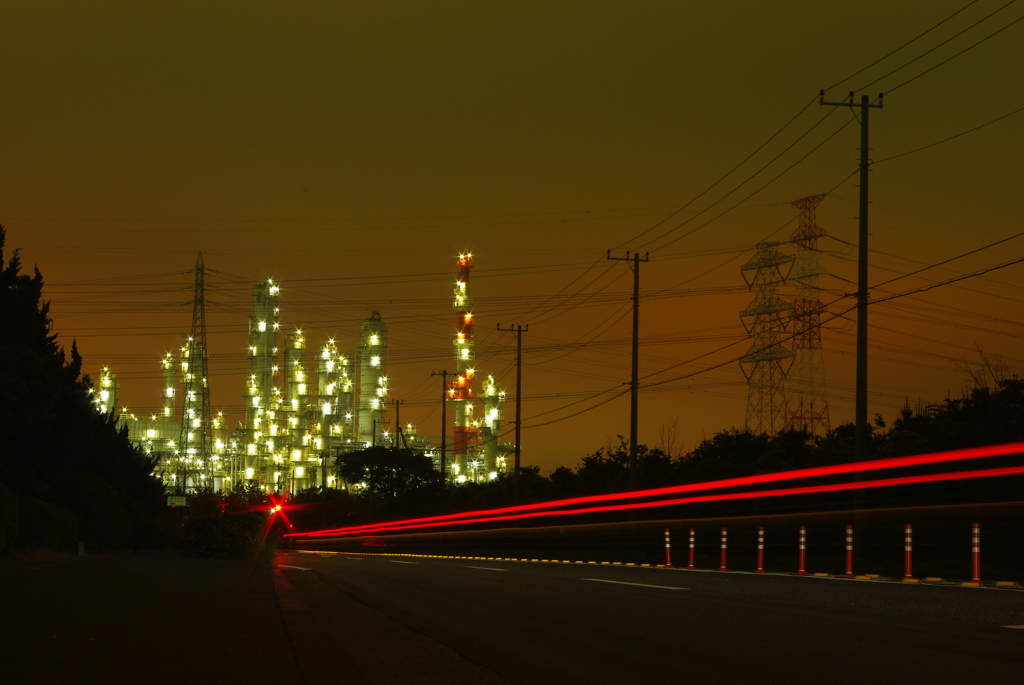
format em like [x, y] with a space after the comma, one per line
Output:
[373, 382]
[490, 428]
[806, 402]
[764, 365]
[158, 435]
[460, 389]
[334, 429]
[260, 393]
[296, 384]
[167, 365]
[105, 399]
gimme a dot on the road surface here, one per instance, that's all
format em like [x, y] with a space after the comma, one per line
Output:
[532, 623]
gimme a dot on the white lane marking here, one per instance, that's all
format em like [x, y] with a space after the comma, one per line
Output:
[619, 582]
[395, 561]
[352, 558]
[487, 568]
[296, 568]
[1017, 627]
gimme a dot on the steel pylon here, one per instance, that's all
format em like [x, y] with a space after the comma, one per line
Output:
[194, 467]
[806, 400]
[767, 361]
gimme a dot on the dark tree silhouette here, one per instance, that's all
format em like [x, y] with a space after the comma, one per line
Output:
[396, 479]
[55, 446]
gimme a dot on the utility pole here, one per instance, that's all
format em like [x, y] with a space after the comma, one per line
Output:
[634, 402]
[518, 332]
[398, 423]
[382, 422]
[860, 448]
[323, 470]
[444, 421]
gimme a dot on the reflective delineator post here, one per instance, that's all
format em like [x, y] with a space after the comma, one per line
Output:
[803, 552]
[760, 550]
[849, 552]
[668, 549]
[725, 534]
[975, 553]
[908, 543]
[693, 536]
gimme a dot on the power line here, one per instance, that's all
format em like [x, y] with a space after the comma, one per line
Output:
[927, 52]
[946, 140]
[970, 47]
[777, 177]
[890, 54]
[772, 137]
[951, 259]
[727, 174]
[831, 318]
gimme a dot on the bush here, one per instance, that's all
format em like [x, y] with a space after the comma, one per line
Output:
[8, 520]
[146, 529]
[46, 525]
[103, 521]
[225, 536]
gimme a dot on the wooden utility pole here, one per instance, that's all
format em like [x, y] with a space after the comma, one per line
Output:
[400, 436]
[518, 332]
[861, 439]
[634, 391]
[444, 421]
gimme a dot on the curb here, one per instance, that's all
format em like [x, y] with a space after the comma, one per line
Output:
[921, 582]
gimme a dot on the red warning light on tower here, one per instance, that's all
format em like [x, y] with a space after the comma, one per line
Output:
[460, 389]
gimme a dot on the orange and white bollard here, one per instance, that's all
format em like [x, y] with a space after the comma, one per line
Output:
[725, 534]
[849, 553]
[693, 536]
[668, 549]
[760, 550]
[975, 553]
[803, 552]
[908, 543]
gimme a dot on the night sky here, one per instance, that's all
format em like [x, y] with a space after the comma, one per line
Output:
[351, 150]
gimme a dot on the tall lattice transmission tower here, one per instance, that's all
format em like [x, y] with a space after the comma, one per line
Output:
[766, 363]
[195, 468]
[806, 402]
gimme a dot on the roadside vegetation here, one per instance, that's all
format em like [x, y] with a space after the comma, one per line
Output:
[68, 474]
[389, 483]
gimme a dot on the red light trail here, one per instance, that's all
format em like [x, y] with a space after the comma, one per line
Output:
[835, 487]
[880, 464]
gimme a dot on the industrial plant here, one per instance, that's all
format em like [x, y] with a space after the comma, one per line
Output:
[300, 414]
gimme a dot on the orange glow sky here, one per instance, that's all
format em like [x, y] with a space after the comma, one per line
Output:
[352, 150]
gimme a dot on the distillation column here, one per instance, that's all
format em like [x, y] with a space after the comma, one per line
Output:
[295, 409]
[490, 431]
[167, 364]
[460, 389]
[259, 392]
[324, 433]
[373, 383]
[345, 427]
[105, 399]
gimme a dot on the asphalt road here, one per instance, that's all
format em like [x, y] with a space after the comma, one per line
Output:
[532, 623]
